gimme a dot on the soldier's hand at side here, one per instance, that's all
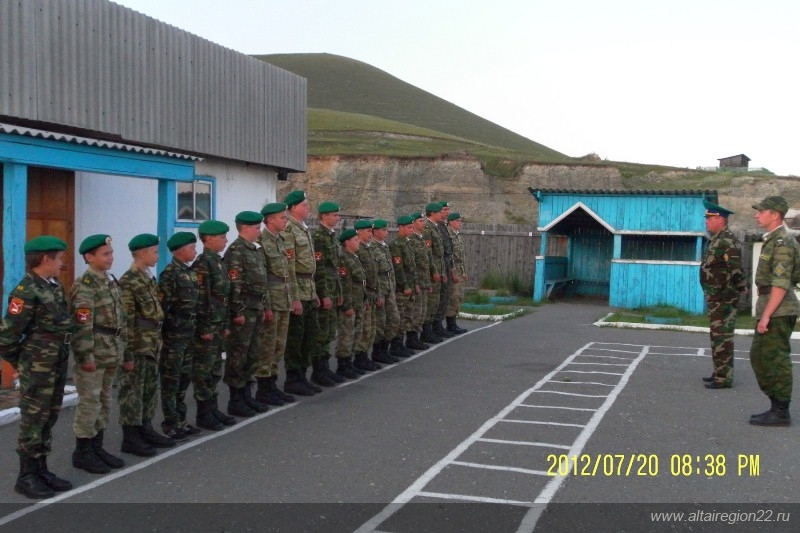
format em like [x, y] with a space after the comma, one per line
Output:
[349, 312]
[444, 279]
[89, 367]
[430, 290]
[208, 337]
[239, 320]
[436, 278]
[379, 302]
[297, 307]
[225, 333]
[268, 315]
[127, 366]
[407, 292]
[763, 325]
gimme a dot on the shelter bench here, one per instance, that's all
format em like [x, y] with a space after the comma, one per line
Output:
[556, 283]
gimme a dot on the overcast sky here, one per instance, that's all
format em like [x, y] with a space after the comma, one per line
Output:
[679, 82]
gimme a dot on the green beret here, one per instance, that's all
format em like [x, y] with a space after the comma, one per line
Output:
[249, 218]
[415, 216]
[347, 234]
[328, 207]
[445, 203]
[45, 243]
[294, 198]
[404, 220]
[271, 209]
[453, 216]
[143, 240]
[776, 203]
[433, 207]
[379, 223]
[714, 210]
[93, 242]
[213, 227]
[363, 224]
[180, 239]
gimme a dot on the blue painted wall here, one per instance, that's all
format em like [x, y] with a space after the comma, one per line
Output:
[653, 284]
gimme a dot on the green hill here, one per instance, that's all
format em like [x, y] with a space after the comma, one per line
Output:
[362, 94]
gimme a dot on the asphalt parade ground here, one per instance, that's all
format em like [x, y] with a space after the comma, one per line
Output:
[542, 423]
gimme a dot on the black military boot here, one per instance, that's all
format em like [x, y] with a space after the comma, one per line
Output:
[29, 482]
[307, 383]
[318, 375]
[439, 330]
[344, 369]
[285, 398]
[219, 415]
[362, 362]
[768, 411]
[397, 349]
[252, 403]
[428, 335]
[265, 393]
[205, 418]
[111, 460]
[453, 327]
[50, 479]
[295, 385]
[326, 367]
[778, 416]
[237, 405]
[380, 353]
[134, 443]
[84, 458]
[413, 342]
[154, 438]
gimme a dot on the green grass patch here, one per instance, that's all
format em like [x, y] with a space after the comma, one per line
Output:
[638, 316]
[508, 283]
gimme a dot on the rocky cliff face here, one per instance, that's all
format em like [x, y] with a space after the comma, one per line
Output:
[385, 187]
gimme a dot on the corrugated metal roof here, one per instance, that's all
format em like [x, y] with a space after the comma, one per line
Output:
[637, 192]
[54, 136]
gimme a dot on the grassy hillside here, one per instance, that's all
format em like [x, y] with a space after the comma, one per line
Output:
[340, 84]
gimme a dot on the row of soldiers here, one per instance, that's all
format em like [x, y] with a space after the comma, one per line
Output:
[281, 293]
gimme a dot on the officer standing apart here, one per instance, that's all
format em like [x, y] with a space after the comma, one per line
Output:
[34, 339]
[722, 280]
[97, 346]
[776, 311]
[458, 274]
[446, 282]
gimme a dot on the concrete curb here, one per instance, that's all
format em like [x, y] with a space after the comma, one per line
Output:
[10, 415]
[495, 318]
[695, 329]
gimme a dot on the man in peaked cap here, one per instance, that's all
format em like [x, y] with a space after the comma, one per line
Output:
[722, 280]
[458, 274]
[777, 308]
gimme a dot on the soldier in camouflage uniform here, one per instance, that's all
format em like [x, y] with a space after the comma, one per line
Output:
[425, 270]
[97, 346]
[445, 284]
[138, 381]
[247, 305]
[211, 327]
[351, 312]
[388, 337]
[301, 348]
[279, 287]
[433, 240]
[34, 339]
[777, 308]
[326, 279]
[177, 291]
[404, 265]
[372, 298]
[458, 274]
[722, 280]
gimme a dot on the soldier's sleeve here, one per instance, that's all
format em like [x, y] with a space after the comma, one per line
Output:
[166, 285]
[783, 259]
[320, 281]
[396, 257]
[735, 263]
[203, 320]
[233, 263]
[290, 246]
[83, 309]
[128, 296]
[347, 285]
[19, 318]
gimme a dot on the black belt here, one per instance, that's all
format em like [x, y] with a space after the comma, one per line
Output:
[63, 338]
[764, 290]
[149, 323]
[304, 275]
[107, 331]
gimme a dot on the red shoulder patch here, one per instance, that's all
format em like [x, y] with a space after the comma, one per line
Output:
[428, 243]
[199, 278]
[290, 253]
[397, 260]
[233, 274]
[15, 306]
[318, 256]
[343, 271]
[83, 315]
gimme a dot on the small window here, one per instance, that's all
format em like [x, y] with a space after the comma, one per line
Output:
[659, 247]
[194, 200]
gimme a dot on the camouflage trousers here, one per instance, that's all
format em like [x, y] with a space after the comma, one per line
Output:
[244, 349]
[363, 343]
[94, 400]
[175, 366]
[302, 338]
[349, 331]
[207, 367]
[138, 391]
[42, 376]
[328, 326]
[418, 307]
[433, 301]
[456, 297]
[273, 344]
[722, 321]
[405, 304]
[771, 360]
[444, 299]
[387, 319]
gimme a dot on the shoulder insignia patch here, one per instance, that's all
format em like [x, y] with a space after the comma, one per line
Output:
[428, 243]
[779, 270]
[83, 315]
[343, 271]
[318, 256]
[15, 306]
[397, 260]
[199, 278]
[290, 253]
[233, 274]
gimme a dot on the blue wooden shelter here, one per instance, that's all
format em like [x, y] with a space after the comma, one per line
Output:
[638, 248]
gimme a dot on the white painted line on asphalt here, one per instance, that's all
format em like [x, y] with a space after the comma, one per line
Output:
[592, 372]
[541, 423]
[557, 407]
[502, 468]
[466, 498]
[524, 443]
[571, 394]
[601, 364]
[609, 357]
[583, 383]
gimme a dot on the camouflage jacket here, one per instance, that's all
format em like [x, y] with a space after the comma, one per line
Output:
[721, 272]
[385, 271]
[458, 252]
[447, 245]
[423, 260]
[354, 282]
[279, 286]
[780, 257]
[212, 295]
[144, 316]
[178, 292]
[404, 264]
[99, 320]
[326, 255]
[433, 240]
[247, 272]
[38, 311]
[299, 244]
[367, 255]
